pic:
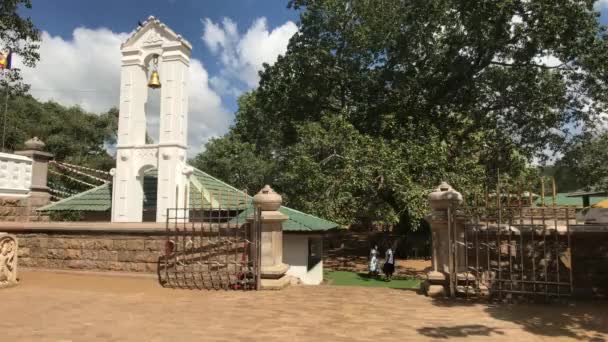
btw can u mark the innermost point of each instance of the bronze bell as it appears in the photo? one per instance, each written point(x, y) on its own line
point(154, 82)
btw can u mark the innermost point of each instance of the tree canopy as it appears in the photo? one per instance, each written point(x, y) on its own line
point(71, 134)
point(587, 160)
point(375, 102)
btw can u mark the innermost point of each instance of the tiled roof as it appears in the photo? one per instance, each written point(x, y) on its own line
point(205, 191)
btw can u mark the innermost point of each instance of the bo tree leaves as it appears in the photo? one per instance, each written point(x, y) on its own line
point(587, 159)
point(417, 91)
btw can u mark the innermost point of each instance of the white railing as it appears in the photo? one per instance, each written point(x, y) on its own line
point(15, 174)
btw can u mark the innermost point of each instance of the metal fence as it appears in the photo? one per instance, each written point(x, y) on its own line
point(212, 247)
point(511, 250)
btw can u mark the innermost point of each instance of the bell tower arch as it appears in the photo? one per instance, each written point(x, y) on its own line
point(152, 45)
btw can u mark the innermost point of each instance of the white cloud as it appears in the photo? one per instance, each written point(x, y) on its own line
point(85, 71)
point(601, 4)
point(242, 56)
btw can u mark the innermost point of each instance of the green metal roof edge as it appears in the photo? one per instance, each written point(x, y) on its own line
point(220, 181)
point(329, 224)
point(323, 223)
point(49, 207)
point(308, 227)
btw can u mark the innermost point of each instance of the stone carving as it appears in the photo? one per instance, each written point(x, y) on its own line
point(35, 144)
point(8, 260)
point(153, 38)
point(267, 199)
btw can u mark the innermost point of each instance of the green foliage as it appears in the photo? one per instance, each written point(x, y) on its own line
point(375, 102)
point(235, 162)
point(71, 134)
point(65, 216)
point(20, 36)
point(587, 159)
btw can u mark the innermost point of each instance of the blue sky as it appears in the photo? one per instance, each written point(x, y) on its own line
point(61, 17)
point(80, 57)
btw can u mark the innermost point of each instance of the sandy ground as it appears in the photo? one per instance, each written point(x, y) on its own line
point(48, 306)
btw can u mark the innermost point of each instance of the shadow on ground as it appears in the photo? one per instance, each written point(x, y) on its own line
point(582, 320)
point(459, 331)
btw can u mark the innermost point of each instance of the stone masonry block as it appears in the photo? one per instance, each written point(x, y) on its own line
point(23, 252)
point(25, 261)
point(73, 243)
point(55, 253)
point(107, 255)
point(90, 254)
point(55, 263)
point(39, 262)
point(116, 266)
point(135, 245)
point(156, 245)
point(75, 264)
point(151, 267)
point(126, 256)
point(56, 243)
point(136, 267)
point(120, 245)
point(100, 244)
point(73, 254)
point(145, 256)
point(37, 252)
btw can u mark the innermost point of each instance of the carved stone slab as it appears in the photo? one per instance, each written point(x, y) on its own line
point(8, 260)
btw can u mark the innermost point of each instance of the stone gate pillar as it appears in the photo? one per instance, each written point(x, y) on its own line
point(273, 269)
point(39, 192)
point(443, 200)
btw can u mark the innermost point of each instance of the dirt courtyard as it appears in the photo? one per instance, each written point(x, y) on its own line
point(65, 307)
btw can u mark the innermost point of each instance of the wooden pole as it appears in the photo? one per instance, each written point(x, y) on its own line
point(542, 191)
point(554, 191)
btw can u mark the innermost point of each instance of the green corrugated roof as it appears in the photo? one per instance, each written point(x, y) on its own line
point(205, 191)
point(563, 199)
point(96, 199)
point(298, 221)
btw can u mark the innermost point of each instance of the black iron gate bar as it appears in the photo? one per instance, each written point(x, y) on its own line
point(512, 272)
point(204, 244)
point(509, 283)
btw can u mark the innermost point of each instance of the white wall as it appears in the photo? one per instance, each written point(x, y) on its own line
point(295, 254)
point(15, 175)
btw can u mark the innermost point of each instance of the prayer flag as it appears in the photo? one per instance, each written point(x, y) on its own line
point(5, 60)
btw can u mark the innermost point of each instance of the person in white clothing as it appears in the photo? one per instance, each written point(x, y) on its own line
point(373, 261)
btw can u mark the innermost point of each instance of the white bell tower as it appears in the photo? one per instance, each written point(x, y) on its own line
point(151, 42)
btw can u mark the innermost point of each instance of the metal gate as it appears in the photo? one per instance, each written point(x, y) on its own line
point(215, 246)
point(510, 250)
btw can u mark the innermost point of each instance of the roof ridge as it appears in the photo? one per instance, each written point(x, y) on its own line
point(310, 215)
point(218, 180)
point(78, 195)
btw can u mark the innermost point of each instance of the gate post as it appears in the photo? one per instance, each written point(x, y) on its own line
point(273, 269)
point(444, 202)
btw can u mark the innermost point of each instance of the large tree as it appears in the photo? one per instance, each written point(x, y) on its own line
point(587, 161)
point(422, 91)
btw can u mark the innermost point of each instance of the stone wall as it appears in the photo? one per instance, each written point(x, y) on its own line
point(18, 209)
point(86, 252)
point(128, 250)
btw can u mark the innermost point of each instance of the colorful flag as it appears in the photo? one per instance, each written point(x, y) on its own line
point(5, 60)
